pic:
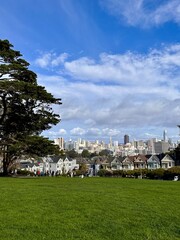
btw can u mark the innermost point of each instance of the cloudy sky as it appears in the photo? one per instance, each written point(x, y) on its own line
point(114, 63)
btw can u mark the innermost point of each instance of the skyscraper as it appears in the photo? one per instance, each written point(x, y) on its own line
point(165, 138)
point(59, 142)
point(126, 139)
point(161, 147)
point(110, 141)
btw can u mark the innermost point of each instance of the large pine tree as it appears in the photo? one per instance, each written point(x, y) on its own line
point(25, 108)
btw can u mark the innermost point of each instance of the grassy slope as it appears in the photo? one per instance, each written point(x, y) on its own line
point(89, 208)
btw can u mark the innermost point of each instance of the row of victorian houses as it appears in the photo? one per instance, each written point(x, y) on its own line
point(55, 165)
point(150, 162)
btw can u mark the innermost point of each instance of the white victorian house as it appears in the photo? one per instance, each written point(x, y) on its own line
point(31, 166)
point(116, 163)
point(153, 162)
point(140, 162)
point(167, 162)
point(56, 165)
point(69, 165)
point(128, 163)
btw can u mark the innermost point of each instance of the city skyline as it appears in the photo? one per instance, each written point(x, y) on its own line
point(125, 139)
point(115, 64)
point(116, 148)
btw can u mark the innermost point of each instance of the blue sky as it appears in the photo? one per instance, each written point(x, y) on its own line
point(114, 63)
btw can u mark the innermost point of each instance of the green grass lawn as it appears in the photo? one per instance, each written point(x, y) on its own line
point(89, 208)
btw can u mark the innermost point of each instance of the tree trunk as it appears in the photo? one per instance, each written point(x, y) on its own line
point(5, 168)
point(5, 161)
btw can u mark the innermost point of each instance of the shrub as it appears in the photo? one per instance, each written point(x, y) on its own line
point(24, 172)
point(156, 174)
point(171, 173)
point(79, 172)
point(104, 173)
point(137, 173)
point(117, 173)
point(129, 173)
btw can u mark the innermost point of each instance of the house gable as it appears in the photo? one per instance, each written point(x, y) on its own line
point(153, 159)
point(167, 158)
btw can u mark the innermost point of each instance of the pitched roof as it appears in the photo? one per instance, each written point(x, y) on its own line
point(129, 159)
point(68, 159)
point(167, 158)
point(140, 158)
point(55, 159)
point(118, 160)
point(153, 158)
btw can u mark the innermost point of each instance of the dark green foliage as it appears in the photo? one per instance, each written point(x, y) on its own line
point(104, 173)
point(72, 153)
point(39, 146)
point(82, 170)
point(144, 173)
point(25, 107)
point(105, 152)
point(156, 174)
point(94, 154)
point(176, 155)
point(85, 153)
point(24, 173)
point(171, 173)
point(118, 173)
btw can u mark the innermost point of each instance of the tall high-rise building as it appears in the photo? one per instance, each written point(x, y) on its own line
point(110, 141)
point(165, 138)
point(161, 147)
point(69, 145)
point(59, 142)
point(126, 139)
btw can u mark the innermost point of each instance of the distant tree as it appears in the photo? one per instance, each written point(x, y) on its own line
point(82, 170)
point(62, 153)
point(25, 108)
point(105, 152)
point(171, 173)
point(85, 153)
point(94, 154)
point(72, 154)
point(176, 155)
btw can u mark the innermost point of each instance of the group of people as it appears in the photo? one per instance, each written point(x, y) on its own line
point(50, 174)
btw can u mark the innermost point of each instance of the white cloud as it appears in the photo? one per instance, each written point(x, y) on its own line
point(128, 68)
point(139, 91)
point(93, 132)
point(110, 132)
point(62, 131)
point(144, 13)
point(51, 59)
point(59, 59)
point(158, 67)
point(44, 60)
point(150, 135)
point(78, 131)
